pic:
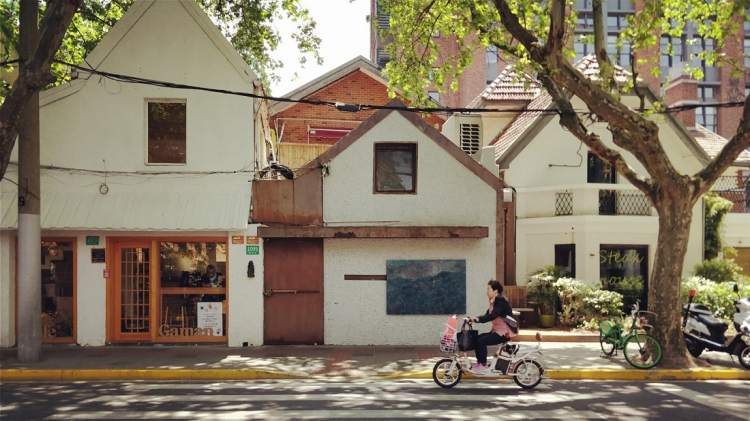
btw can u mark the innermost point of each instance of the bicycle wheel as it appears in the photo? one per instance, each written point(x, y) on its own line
point(444, 376)
point(642, 351)
point(527, 374)
point(607, 344)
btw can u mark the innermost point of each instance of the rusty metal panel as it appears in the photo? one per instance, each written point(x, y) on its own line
point(289, 202)
point(308, 198)
point(293, 290)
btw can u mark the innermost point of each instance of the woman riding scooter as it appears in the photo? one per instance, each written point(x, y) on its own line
point(499, 309)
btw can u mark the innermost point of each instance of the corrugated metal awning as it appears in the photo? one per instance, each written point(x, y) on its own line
point(137, 211)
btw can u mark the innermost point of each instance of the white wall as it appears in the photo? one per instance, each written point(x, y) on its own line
point(355, 311)
point(447, 192)
point(245, 294)
point(735, 230)
point(7, 289)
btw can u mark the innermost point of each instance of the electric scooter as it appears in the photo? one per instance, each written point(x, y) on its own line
point(701, 330)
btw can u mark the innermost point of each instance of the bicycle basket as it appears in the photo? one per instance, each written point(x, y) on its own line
point(645, 320)
point(607, 327)
point(448, 341)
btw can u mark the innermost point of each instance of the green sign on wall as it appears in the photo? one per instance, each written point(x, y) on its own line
point(252, 250)
point(92, 240)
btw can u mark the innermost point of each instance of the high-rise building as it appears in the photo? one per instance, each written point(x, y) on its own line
point(717, 85)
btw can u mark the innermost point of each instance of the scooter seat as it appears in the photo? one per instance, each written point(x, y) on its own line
point(712, 322)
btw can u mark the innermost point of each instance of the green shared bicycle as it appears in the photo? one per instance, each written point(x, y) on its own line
point(640, 348)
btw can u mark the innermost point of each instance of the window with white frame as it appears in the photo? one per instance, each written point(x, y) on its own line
point(469, 137)
point(491, 67)
point(746, 43)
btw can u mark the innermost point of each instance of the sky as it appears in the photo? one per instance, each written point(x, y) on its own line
point(345, 34)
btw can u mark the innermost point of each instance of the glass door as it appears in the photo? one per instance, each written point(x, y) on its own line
point(58, 290)
point(133, 291)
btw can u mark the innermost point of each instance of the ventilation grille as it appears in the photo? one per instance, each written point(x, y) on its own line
point(469, 135)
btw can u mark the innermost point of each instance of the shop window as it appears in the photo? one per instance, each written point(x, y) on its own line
point(624, 268)
point(58, 261)
point(192, 289)
point(565, 259)
point(166, 132)
point(395, 168)
point(600, 171)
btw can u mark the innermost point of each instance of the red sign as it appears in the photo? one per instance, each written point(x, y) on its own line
point(252, 240)
point(106, 274)
point(237, 239)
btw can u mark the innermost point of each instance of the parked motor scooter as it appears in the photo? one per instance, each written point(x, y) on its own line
point(702, 330)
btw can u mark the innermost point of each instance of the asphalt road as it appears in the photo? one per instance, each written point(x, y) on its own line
point(278, 400)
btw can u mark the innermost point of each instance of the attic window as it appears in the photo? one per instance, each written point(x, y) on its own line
point(166, 131)
point(395, 168)
point(469, 136)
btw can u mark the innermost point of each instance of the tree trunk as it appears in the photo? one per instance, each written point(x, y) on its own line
point(675, 213)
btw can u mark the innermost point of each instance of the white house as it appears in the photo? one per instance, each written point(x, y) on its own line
point(146, 192)
point(572, 210)
point(379, 239)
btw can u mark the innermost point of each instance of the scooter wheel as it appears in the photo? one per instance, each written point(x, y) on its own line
point(444, 376)
point(694, 349)
point(527, 374)
point(744, 356)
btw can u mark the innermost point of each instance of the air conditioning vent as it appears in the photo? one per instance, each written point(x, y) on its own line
point(469, 136)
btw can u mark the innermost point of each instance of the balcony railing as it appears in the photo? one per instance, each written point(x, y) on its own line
point(735, 189)
point(614, 202)
point(582, 199)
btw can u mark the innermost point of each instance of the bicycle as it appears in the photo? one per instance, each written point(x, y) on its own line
point(640, 348)
point(524, 367)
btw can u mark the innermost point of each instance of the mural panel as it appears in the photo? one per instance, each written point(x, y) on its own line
point(426, 286)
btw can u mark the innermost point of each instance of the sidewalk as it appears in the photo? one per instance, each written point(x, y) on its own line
point(562, 360)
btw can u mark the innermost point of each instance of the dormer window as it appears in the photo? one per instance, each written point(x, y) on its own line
point(395, 168)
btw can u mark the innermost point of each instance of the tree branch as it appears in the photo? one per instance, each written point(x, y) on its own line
point(556, 36)
point(705, 178)
point(570, 119)
point(53, 27)
point(606, 71)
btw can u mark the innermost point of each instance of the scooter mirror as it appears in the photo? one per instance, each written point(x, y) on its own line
point(692, 293)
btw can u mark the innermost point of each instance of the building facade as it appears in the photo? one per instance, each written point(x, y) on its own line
point(145, 192)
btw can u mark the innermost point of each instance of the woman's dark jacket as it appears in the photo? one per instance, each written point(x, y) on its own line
point(501, 308)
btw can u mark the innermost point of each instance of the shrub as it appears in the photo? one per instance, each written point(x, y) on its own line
point(541, 290)
point(630, 287)
point(581, 302)
point(717, 296)
point(719, 270)
point(716, 208)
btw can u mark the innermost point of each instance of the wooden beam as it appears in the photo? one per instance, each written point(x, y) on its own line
point(372, 232)
point(365, 277)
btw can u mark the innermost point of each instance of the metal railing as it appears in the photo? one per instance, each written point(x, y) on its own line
point(563, 203)
point(619, 202)
point(735, 188)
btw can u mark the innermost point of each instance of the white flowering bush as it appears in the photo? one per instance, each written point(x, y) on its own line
point(717, 296)
point(582, 302)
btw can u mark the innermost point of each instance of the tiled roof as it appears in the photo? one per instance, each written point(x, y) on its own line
point(713, 143)
point(509, 86)
point(590, 68)
point(523, 122)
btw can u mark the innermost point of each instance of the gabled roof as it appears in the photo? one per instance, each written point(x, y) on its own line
point(309, 88)
point(519, 132)
point(508, 86)
point(430, 132)
point(123, 26)
point(713, 143)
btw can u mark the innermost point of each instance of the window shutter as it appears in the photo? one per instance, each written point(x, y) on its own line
point(469, 136)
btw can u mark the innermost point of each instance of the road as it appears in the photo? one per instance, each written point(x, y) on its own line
point(311, 399)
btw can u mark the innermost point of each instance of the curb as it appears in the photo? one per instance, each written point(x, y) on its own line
point(248, 374)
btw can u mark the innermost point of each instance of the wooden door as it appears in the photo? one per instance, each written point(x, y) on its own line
point(133, 298)
point(293, 290)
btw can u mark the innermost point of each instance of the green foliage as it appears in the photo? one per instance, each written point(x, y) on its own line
point(476, 24)
point(719, 270)
point(718, 297)
point(582, 303)
point(716, 208)
point(541, 290)
point(248, 24)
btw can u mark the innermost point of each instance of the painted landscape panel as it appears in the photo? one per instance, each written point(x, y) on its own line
point(426, 286)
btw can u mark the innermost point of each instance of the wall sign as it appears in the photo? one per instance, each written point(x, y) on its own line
point(238, 239)
point(92, 240)
point(252, 240)
point(252, 250)
point(98, 255)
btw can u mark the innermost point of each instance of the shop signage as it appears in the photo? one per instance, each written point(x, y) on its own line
point(98, 255)
point(252, 250)
point(92, 240)
point(237, 239)
point(165, 330)
point(252, 240)
point(210, 317)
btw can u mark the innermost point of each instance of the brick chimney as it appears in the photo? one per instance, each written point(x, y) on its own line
point(682, 90)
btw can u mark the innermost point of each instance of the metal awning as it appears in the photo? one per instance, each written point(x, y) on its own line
point(137, 211)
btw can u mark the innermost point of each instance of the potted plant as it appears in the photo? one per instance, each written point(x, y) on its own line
point(541, 290)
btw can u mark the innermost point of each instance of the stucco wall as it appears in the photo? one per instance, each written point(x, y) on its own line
point(355, 311)
point(245, 294)
point(447, 192)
